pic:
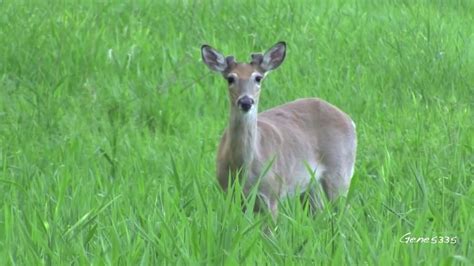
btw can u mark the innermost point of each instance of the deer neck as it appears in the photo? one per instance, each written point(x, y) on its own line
point(243, 137)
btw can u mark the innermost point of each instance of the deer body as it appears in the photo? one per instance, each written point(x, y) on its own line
point(302, 139)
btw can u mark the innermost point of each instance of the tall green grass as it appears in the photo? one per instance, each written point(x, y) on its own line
point(109, 123)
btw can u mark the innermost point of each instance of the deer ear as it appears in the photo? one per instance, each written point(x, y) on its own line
point(213, 59)
point(274, 57)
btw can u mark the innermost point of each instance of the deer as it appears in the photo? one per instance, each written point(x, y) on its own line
point(309, 142)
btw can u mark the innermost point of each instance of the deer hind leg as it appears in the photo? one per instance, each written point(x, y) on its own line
point(316, 198)
point(273, 207)
point(314, 195)
point(270, 203)
point(335, 183)
point(337, 174)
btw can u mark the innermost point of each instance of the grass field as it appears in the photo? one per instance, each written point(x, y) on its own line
point(109, 125)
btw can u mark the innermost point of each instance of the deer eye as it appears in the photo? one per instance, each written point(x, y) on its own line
point(230, 80)
point(258, 79)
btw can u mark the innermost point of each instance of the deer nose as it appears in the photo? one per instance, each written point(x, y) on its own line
point(245, 103)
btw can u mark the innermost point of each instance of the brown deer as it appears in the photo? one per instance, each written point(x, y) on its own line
point(304, 140)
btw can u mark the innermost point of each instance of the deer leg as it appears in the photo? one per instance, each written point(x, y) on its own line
point(315, 198)
point(334, 185)
point(273, 207)
point(270, 203)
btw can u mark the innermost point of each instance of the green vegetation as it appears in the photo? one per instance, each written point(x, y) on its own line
point(109, 124)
